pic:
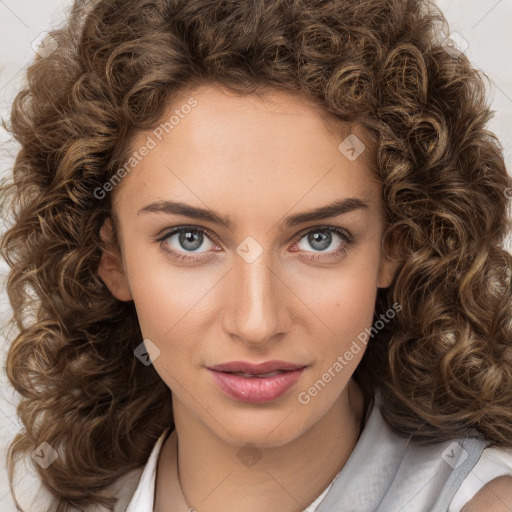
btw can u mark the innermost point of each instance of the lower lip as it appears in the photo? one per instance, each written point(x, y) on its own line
point(256, 389)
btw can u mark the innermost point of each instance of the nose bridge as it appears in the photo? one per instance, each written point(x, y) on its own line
point(256, 306)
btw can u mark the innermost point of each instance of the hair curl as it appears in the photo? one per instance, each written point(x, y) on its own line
point(444, 364)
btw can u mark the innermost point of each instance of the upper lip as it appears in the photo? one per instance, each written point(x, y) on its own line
point(255, 369)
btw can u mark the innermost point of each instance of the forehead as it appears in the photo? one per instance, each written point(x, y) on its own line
point(258, 116)
point(258, 149)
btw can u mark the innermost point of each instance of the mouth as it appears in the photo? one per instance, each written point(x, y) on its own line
point(260, 375)
point(256, 388)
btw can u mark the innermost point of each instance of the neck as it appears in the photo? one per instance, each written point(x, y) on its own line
point(213, 473)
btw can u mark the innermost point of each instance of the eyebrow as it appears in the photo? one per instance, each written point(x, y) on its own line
point(334, 209)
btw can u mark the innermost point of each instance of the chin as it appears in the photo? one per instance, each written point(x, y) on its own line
point(267, 432)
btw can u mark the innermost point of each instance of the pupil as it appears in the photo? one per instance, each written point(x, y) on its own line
point(189, 237)
point(323, 240)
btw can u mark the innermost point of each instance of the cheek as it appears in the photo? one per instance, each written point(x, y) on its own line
point(345, 304)
point(353, 311)
point(168, 310)
point(346, 313)
point(344, 298)
point(167, 298)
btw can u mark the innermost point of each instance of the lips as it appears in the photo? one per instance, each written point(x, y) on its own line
point(256, 388)
point(247, 369)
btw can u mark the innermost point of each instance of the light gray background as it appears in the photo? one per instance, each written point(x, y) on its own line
point(485, 25)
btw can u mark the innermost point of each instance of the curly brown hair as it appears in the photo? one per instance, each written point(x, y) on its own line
point(444, 365)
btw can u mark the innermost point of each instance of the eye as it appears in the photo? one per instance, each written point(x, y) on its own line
point(186, 239)
point(321, 238)
point(184, 243)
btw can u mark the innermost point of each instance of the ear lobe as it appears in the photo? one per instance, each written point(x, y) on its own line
point(387, 272)
point(111, 268)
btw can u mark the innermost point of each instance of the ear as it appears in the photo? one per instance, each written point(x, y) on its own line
point(389, 263)
point(111, 267)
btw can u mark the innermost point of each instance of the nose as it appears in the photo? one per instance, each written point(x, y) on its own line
point(257, 315)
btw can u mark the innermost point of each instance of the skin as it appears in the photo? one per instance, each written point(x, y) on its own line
point(256, 159)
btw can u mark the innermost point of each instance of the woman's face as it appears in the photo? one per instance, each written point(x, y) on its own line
point(271, 281)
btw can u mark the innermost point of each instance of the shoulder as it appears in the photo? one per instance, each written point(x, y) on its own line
point(489, 484)
point(495, 495)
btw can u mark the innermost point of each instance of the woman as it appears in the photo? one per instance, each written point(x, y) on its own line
point(264, 240)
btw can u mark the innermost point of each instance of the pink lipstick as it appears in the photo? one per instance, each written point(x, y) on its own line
point(249, 382)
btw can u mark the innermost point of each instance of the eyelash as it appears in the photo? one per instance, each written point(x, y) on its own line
point(339, 253)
